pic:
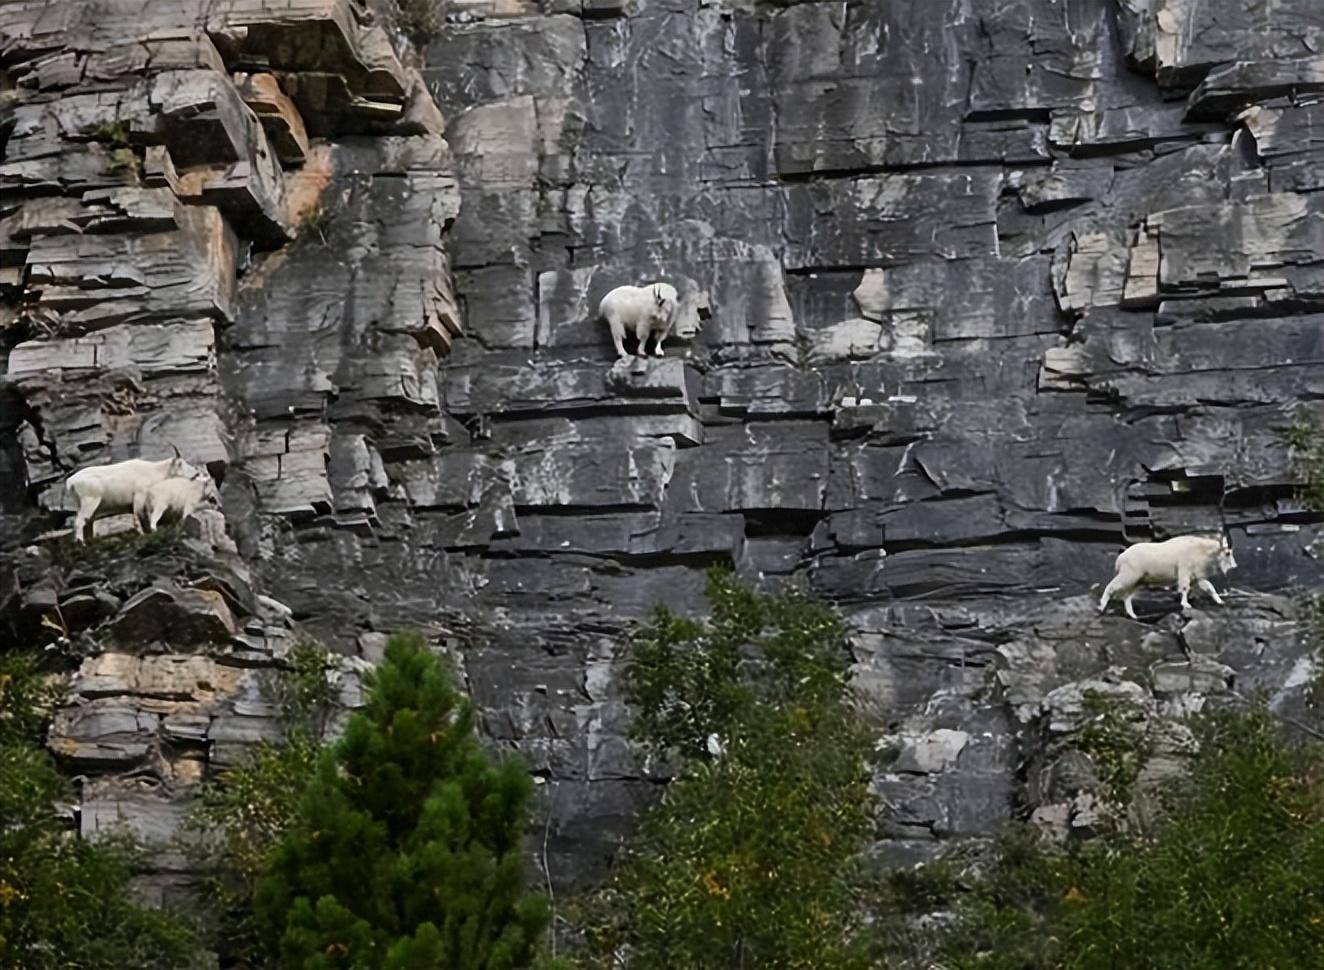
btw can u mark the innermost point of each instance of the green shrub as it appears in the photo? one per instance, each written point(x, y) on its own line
point(1232, 878)
point(420, 20)
point(65, 902)
point(242, 815)
point(1115, 739)
point(1228, 878)
point(114, 132)
point(747, 860)
point(302, 690)
point(406, 849)
point(1305, 439)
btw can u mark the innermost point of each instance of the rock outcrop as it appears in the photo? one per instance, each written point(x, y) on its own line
point(985, 282)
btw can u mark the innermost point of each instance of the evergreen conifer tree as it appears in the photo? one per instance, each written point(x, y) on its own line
point(407, 849)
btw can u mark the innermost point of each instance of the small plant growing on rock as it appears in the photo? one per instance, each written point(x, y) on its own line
point(301, 687)
point(114, 132)
point(317, 225)
point(1114, 737)
point(420, 20)
point(1304, 437)
point(122, 162)
point(806, 356)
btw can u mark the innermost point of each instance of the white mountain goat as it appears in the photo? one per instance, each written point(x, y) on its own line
point(1180, 560)
point(181, 495)
point(119, 487)
point(642, 309)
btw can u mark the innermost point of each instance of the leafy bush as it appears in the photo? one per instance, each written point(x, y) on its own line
point(1229, 878)
point(420, 20)
point(1114, 738)
point(64, 902)
point(302, 690)
point(406, 848)
point(243, 814)
point(1307, 443)
point(747, 860)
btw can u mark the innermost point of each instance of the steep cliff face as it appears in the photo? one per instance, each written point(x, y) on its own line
point(982, 275)
point(984, 279)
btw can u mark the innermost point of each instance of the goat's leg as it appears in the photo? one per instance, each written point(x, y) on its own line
point(1208, 587)
point(139, 509)
point(1113, 586)
point(87, 507)
point(1126, 601)
point(663, 332)
point(618, 337)
point(642, 328)
point(1184, 587)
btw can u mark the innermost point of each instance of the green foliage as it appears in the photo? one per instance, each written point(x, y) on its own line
point(1315, 631)
point(102, 554)
point(747, 860)
point(241, 817)
point(122, 160)
point(28, 698)
point(64, 902)
point(406, 850)
point(1229, 878)
point(1115, 739)
point(1305, 439)
point(243, 814)
point(302, 689)
point(420, 20)
point(317, 225)
point(114, 132)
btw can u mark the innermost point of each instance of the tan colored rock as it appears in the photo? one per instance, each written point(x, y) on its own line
point(278, 115)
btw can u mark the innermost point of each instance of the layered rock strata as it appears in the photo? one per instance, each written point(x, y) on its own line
point(986, 281)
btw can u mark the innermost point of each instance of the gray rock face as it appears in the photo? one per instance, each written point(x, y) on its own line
point(983, 281)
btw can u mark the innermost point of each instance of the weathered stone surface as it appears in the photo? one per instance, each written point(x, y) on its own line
point(983, 282)
point(149, 151)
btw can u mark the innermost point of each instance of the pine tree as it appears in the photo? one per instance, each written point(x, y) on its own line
point(407, 849)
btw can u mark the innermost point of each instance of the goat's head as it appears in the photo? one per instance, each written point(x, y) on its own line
point(664, 298)
point(209, 491)
point(1226, 560)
